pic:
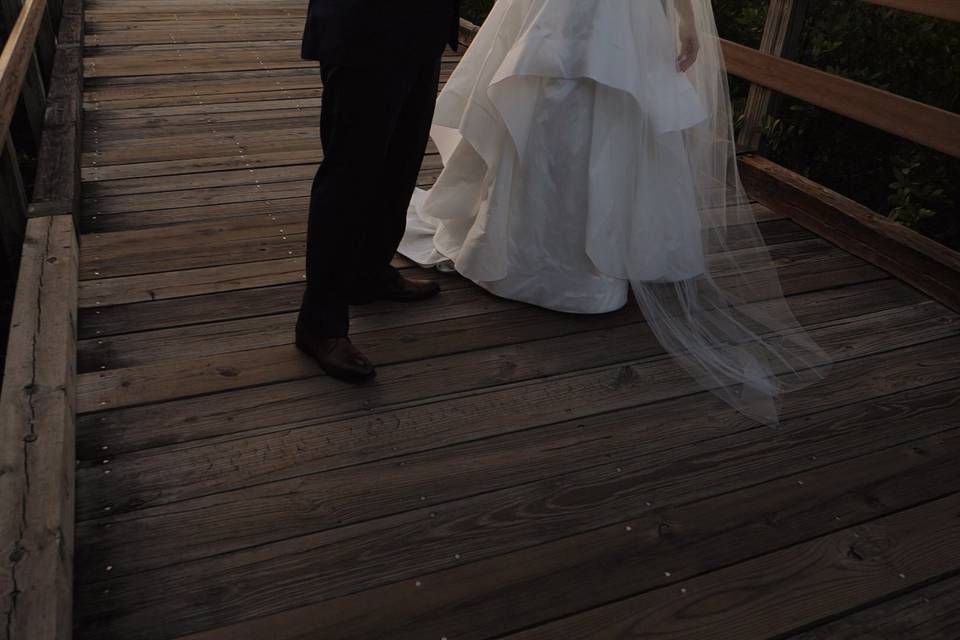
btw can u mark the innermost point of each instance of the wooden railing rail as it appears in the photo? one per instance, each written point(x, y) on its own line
point(929, 266)
point(37, 402)
point(946, 9)
point(26, 65)
point(781, 36)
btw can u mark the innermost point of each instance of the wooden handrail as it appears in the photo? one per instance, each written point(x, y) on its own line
point(946, 9)
point(37, 445)
point(916, 121)
point(15, 60)
point(37, 401)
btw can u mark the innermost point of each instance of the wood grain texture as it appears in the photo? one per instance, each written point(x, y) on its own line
point(57, 182)
point(411, 546)
point(844, 570)
point(916, 121)
point(946, 9)
point(929, 613)
point(511, 468)
point(356, 486)
point(37, 412)
point(16, 58)
point(651, 546)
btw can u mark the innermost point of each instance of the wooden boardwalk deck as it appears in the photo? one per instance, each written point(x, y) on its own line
point(513, 472)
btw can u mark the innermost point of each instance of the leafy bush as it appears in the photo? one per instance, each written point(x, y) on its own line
point(476, 10)
point(907, 54)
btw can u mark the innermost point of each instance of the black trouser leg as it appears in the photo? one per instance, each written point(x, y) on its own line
point(374, 126)
point(402, 168)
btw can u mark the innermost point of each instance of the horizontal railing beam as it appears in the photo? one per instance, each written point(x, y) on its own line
point(903, 117)
point(16, 58)
point(946, 9)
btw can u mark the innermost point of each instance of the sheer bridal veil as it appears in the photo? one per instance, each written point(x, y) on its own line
point(730, 326)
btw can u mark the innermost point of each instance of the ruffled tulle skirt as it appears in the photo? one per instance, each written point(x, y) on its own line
point(565, 173)
point(579, 164)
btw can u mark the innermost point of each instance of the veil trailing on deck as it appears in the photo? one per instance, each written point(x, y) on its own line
point(730, 326)
point(651, 160)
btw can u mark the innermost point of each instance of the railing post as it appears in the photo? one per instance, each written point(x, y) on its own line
point(46, 47)
point(57, 187)
point(781, 38)
point(13, 206)
point(55, 7)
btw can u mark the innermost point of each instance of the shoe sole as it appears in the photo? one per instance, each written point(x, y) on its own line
point(352, 378)
point(359, 302)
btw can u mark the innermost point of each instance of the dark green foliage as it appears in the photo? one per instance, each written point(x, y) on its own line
point(911, 55)
point(907, 54)
point(475, 10)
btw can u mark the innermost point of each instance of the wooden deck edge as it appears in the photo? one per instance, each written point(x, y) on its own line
point(917, 260)
point(37, 438)
point(38, 399)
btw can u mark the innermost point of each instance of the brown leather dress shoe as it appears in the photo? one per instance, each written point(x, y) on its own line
point(337, 357)
point(407, 290)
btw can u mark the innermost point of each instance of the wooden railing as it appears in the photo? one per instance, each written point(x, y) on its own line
point(924, 263)
point(25, 67)
point(37, 403)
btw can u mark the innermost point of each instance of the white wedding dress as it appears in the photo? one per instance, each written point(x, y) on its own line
point(579, 161)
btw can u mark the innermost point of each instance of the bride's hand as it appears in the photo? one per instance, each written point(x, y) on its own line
point(689, 46)
point(689, 41)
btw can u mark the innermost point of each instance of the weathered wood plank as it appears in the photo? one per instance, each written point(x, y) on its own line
point(37, 409)
point(461, 306)
point(665, 543)
point(197, 197)
point(135, 220)
point(404, 547)
point(946, 9)
point(227, 242)
point(164, 381)
point(839, 572)
point(203, 314)
point(527, 424)
point(58, 163)
point(275, 326)
point(929, 613)
point(921, 123)
point(345, 493)
point(144, 479)
point(16, 59)
point(261, 408)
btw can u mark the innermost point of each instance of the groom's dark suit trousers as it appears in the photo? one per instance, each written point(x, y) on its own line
point(374, 128)
point(380, 66)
